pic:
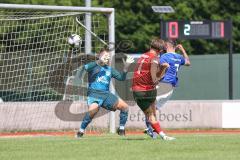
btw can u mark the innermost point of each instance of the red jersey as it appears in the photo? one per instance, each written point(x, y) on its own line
point(142, 79)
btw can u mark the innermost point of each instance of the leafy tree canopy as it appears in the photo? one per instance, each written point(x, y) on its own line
point(135, 20)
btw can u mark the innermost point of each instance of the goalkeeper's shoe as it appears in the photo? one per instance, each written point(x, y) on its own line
point(79, 134)
point(121, 132)
point(167, 138)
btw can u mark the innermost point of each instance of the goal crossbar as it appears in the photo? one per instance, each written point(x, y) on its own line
point(56, 8)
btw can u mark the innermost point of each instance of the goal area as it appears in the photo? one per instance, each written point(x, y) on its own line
point(37, 64)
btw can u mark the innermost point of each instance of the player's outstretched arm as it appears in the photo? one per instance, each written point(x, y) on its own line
point(121, 76)
point(127, 63)
point(184, 53)
point(89, 66)
point(162, 70)
point(79, 73)
point(157, 71)
point(77, 78)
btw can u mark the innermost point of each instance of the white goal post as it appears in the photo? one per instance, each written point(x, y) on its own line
point(32, 45)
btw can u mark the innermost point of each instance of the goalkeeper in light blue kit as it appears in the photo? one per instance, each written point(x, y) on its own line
point(98, 95)
point(170, 78)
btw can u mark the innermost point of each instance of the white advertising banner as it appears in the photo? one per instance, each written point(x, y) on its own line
point(181, 114)
point(231, 115)
point(68, 115)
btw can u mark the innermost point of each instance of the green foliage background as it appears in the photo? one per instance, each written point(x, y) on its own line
point(136, 21)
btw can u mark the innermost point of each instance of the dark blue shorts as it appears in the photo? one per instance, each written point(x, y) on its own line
point(104, 99)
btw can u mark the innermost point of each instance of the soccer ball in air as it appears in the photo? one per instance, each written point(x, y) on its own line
point(75, 41)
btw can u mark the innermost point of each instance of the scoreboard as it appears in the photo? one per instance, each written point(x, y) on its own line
point(206, 29)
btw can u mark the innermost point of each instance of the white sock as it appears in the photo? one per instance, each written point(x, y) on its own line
point(81, 130)
point(162, 134)
point(121, 127)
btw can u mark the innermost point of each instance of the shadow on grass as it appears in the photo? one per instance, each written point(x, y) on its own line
point(135, 139)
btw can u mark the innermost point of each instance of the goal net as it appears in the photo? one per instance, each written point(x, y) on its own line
point(37, 66)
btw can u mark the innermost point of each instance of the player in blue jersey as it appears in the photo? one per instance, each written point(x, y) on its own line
point(170, 78)
point(99, 77)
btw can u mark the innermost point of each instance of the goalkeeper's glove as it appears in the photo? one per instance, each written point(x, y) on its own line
point(128, 62)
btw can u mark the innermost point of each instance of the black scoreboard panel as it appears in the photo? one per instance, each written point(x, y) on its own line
point(206, 29)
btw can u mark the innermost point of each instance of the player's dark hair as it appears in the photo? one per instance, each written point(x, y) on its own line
point(157, 44)
point(173, 42)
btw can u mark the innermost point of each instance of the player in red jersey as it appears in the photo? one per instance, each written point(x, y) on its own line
point(146, 76)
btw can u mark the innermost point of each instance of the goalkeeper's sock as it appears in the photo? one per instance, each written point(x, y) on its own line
point(156, 127)
point(86, 120)
point(123, 119)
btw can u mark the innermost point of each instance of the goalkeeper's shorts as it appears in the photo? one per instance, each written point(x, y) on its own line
point(104, 99)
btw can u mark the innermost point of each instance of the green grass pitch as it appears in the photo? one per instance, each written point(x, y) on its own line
point(132, 147)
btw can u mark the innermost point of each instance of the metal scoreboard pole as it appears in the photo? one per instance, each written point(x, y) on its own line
point(230, 66)
point(161, 25)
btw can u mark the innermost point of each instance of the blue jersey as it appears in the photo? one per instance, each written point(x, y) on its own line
point(175, 61)
point(99, 77)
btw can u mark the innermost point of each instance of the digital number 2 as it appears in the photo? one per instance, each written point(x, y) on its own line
point(187, 28)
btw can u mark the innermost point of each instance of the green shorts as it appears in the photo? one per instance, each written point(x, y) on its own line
point(144, 98)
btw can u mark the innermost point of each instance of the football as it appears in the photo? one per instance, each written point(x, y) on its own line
point(75, 41)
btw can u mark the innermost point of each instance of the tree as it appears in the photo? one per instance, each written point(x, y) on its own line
point(135, 20)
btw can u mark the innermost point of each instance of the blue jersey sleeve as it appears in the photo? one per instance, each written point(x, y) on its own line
point(89, 66)
point(121, 76)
